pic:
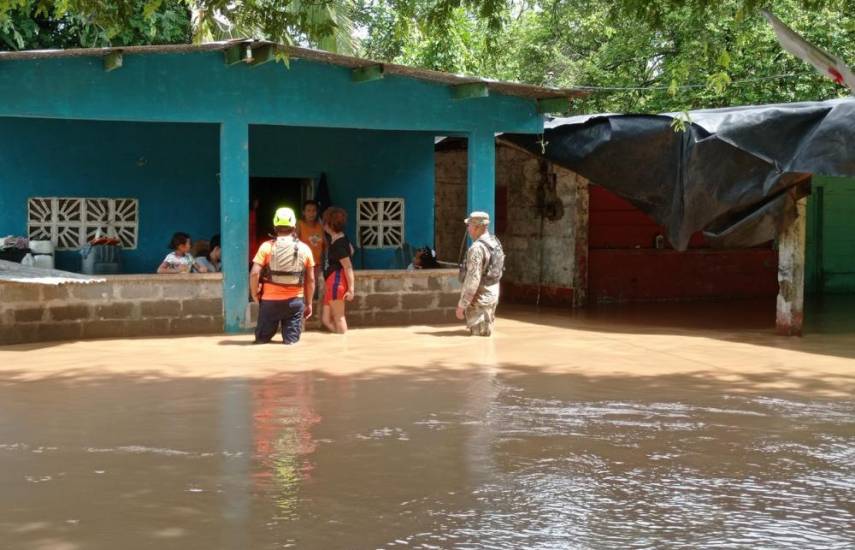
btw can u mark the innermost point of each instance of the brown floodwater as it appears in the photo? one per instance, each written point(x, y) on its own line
point(561, 432)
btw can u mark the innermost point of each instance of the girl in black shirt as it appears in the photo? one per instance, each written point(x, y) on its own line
point(339, 272)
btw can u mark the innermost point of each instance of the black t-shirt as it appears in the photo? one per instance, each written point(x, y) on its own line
point(337, 251)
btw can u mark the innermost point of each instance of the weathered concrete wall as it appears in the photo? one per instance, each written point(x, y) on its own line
point(123, 306)
point(395, 298)
point(541, 232)
point(450, 203)
point(418, 297)
point(543, 263)
point(160, 305)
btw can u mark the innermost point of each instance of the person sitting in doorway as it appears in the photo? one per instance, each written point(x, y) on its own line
point(179, 260)
point(425, 258)
point(284, 266)
point(211, 262)
point(311, 231)
point(339, 273)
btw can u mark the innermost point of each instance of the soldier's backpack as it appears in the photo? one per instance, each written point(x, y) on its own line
point(495, 267)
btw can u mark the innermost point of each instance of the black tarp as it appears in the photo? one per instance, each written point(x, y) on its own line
point(729, 174)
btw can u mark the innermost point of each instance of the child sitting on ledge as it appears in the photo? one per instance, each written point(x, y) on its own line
point(179, 260)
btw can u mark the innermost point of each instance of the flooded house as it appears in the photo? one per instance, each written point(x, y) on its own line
point(141, 142)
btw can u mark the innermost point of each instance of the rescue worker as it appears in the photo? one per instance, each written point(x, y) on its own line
point(480, 275)
point(284, 266)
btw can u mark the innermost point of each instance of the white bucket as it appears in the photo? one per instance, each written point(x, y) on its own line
point(43, 261)
point(41, 247)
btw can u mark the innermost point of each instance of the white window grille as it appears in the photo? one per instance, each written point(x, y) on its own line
point(71, 222)
point(380, 223)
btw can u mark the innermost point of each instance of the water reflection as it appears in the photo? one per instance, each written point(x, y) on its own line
point(282, 420)
point(235, 461)
point(488, 457)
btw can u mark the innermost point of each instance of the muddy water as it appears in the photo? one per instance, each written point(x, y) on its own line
point(559, 433)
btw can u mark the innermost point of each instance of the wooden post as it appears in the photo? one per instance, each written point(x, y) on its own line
point(481, 189)
point(239, 53)
point(234, 221)
point(263, 54)
point(791, 274)
point(367, 74)
point(470, 90)
point(113, 61)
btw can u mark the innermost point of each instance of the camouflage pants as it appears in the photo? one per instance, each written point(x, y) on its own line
point(480, 319)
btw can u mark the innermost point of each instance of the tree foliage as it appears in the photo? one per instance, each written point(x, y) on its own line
point(25, 24)
point(646, 56)
point(40, 24)
point(635, 55)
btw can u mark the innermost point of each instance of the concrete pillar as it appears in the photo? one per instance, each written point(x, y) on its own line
point(481, 191)
point(791, 274)
point(580, 271)
point(234, 221)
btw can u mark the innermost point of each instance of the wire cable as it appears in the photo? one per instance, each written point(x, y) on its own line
point(684, 86)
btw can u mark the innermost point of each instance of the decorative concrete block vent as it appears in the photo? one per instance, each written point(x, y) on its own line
point(123, 306)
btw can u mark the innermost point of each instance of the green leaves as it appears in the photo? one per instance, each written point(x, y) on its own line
point(637, 55)
point(719, 82)
point(30, 24)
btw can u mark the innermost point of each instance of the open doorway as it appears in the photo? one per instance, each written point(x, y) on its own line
point(273, 193)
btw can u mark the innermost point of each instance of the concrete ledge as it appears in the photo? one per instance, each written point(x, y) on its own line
point(194, 277)
point(161, 305)
point(395, 298)
point(404, 274)
point(123, 306)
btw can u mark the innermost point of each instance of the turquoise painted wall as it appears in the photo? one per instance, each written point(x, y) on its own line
point(198, 87)
point(358, 164)
point(171, 168)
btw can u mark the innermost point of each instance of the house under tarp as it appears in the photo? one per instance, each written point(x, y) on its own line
point(740, 176)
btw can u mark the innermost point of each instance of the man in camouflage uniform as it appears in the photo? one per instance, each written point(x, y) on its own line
point(478, 300)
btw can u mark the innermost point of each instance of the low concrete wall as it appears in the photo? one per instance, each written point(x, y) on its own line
point(385, 298)
point(123, 306)
point(156, 305)
point(396, 298)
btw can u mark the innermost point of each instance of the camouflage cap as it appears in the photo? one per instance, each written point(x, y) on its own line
point(478, 218)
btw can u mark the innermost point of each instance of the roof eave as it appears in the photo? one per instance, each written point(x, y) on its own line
point(516, 89)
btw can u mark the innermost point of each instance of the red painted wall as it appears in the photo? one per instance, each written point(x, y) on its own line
point(615, 223)
point(624, 265)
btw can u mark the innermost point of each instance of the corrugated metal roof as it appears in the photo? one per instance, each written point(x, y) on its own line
point(16, 273)
point(505, 88)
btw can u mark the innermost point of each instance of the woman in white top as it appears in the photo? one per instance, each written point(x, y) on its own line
point(179, 260)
